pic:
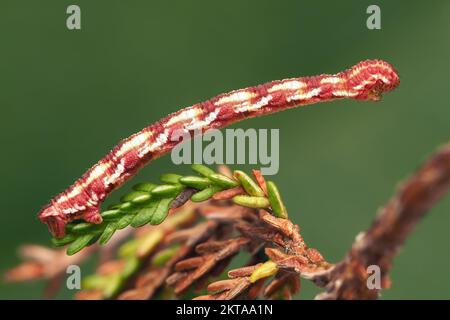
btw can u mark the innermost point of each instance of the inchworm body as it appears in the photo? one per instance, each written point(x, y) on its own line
point(366, 80)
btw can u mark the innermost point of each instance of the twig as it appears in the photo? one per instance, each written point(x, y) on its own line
point(44, 263)
point(152, 278)
point(211, 254)
point(395, 221)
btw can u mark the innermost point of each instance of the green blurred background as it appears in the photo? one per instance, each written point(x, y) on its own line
point(68, 96)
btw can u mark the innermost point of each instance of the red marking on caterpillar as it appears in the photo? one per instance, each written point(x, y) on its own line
point(365, 81)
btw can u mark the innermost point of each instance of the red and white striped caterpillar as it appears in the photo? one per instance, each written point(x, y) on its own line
point(366, 80)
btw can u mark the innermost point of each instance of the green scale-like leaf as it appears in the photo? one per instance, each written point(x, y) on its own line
point(154, 213)
point(107, 233)
point(80, 243)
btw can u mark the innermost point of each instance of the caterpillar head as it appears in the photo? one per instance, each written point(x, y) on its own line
point(371, 78)
point(57, 215)
point(55, 220)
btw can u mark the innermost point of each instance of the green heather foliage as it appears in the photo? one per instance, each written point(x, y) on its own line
point(149, 203)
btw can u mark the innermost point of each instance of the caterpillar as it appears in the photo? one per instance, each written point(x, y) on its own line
point(367, 80)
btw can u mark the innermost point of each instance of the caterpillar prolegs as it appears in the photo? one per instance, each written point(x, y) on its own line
point(367, 80)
